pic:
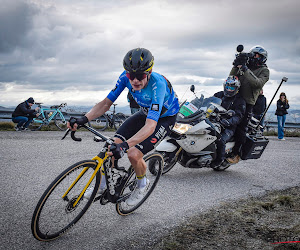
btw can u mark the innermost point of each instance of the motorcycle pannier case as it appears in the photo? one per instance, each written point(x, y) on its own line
point(254, 147)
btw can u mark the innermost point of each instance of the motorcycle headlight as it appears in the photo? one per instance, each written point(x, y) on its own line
point(181, 128)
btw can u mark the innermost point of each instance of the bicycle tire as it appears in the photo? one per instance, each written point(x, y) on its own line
point(119, 119)
point(167, 166)
point(121, 207)
point(100, 123)
point(34, 126)
point(60, 122)
point(52, 210)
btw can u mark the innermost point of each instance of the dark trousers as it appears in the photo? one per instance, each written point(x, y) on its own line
point(241, 130)
point(22, 121)
point(221, 143)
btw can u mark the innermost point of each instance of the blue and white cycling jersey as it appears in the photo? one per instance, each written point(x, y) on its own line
point(156, 99)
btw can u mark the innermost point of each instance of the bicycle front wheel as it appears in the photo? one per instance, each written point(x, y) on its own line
point(122, 207)
point(55, 212)
point(36, 124)
point(60, 122)
point(119, 119)
point(100, 123)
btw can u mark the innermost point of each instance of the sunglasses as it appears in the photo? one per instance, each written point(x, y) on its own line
point(230, 88)
point(139, 76)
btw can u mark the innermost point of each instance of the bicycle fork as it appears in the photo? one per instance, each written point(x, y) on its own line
point(100, 163)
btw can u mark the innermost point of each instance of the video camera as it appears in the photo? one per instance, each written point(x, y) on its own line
point(242, 57)
point(240, 49)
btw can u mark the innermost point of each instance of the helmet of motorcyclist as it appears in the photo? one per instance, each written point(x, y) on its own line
point(138, 60)
point(231, 86)
point(263, 55)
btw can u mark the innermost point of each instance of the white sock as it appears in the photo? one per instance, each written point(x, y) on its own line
point(103, 182)
point(142, 182)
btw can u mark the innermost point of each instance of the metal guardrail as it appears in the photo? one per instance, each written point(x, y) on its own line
point(288, 125)
point(6, 115)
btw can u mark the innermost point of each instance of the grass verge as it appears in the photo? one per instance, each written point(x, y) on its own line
point(10, 126)
point(255, 223)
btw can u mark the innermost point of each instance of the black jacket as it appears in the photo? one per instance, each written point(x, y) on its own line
point(260, 106)
point(236, 103)
point(23, 109)
point(282, 108)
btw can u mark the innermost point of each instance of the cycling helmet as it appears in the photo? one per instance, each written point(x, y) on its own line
point(231, 86)
point(138, 60)
point(262, 52)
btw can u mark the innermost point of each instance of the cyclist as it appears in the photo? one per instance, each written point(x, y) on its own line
point(141, 132)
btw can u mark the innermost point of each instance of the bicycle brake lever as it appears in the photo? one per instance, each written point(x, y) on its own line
point(67, 132)
point(74, 137)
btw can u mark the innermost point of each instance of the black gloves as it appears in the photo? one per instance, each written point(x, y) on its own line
point(119, 150)
point(241, 59)
point(225, 123)
point(244, 68)
point(79, 120)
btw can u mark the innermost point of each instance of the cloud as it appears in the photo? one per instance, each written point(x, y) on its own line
point(56, 46)
point(15, 23)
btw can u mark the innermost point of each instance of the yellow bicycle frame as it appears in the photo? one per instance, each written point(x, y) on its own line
point(100, 162)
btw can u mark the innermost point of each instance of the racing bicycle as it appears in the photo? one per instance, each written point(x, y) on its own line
point(63, 203)
point(112, 120)
point(47, 115)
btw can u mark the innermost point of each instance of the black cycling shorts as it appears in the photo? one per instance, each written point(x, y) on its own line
point(135, 122)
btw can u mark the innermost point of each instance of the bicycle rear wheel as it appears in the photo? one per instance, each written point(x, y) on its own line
point(124, 209)
point(119, 119)
point(60, 122)
point(54, 215)
point(100, 123)
point(36, 124)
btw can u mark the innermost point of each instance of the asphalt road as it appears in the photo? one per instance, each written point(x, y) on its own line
point(31, 160)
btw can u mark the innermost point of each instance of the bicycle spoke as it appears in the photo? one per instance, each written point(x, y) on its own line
point(99, 123)
point(60, 122)
point(54, 215)
point(122, 207)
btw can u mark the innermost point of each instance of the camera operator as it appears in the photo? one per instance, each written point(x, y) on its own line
point(253, 73)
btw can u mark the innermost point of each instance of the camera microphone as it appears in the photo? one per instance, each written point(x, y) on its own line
point(240, 48)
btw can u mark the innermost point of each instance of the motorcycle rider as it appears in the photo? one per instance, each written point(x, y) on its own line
point(253, 73)
point(231, 100)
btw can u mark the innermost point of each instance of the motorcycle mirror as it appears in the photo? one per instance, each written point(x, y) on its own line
point(192, 88)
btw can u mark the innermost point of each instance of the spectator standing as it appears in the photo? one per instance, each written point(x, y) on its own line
point(281, 112)
point(134, 107)
point(259, 108)
point(23, 114)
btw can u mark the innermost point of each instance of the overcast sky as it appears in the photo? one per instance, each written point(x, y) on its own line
point(72, 51)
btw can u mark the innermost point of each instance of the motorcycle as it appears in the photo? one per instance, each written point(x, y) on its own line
point(192, 142)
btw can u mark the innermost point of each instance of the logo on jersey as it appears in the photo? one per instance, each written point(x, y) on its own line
point(155, 107)
point(114, 88)
point(153, 140)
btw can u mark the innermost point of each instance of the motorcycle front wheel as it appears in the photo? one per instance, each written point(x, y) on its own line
point(168, 163)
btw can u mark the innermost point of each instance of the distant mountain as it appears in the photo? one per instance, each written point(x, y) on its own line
point(292, 116)
point(7, 108)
